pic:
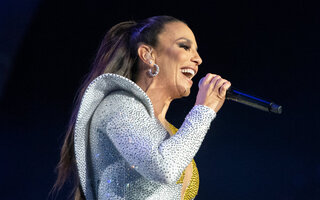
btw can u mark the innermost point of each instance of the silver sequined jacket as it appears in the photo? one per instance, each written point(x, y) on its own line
point(123, 152)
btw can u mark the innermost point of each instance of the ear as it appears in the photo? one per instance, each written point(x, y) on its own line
point(145, 54)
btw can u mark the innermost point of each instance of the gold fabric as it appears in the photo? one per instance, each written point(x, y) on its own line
point(193, 187)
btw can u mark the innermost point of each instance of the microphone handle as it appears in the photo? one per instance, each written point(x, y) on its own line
point(240, 97)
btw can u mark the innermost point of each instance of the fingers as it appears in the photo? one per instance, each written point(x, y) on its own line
point(216, 83)
point(208, 78)
point(224, 87)
point(212, 91)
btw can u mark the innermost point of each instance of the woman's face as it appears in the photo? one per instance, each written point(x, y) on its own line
point(178, 59)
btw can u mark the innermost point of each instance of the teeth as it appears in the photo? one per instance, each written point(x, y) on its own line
point(190, 71)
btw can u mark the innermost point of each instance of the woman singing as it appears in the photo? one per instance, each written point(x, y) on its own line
point(119, 144)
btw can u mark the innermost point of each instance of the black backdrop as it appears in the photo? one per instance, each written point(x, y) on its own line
point(267, 48)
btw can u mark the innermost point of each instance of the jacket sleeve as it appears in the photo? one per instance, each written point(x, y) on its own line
point(143, 141)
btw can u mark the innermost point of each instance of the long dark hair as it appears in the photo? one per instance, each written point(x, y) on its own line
point(117, 54)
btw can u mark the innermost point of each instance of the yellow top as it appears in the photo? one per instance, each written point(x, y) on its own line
point(193, 187)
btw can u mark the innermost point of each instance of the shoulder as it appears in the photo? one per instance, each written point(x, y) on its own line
point(121, 105)
point(122, 99)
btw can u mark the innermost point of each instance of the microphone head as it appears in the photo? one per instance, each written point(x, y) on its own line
point(200, 82)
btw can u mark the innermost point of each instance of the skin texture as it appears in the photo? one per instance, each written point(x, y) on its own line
point(177, 50)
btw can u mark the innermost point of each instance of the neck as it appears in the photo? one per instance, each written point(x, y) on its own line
point(160, 104)
point(159, 97)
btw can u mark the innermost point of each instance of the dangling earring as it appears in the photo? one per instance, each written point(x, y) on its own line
point(156, 71)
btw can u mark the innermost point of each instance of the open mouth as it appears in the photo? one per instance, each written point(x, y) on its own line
point(189, 73)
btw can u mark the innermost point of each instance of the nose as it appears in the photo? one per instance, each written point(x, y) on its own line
point(196, 58)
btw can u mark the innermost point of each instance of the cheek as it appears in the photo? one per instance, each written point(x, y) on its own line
point(178, 55)
point(175, 62)
point(169, 62)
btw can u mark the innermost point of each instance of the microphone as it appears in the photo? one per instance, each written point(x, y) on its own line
point(249, 100)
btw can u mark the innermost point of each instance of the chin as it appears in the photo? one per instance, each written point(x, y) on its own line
point(182, 91)
point(186, 92)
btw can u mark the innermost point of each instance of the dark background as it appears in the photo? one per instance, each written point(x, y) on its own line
point(267, 48)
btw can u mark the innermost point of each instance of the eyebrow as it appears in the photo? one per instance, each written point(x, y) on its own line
point(189, 41)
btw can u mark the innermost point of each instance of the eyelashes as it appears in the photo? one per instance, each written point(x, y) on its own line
point(185, 46)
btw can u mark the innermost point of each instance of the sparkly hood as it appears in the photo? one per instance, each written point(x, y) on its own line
point(97, 90)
